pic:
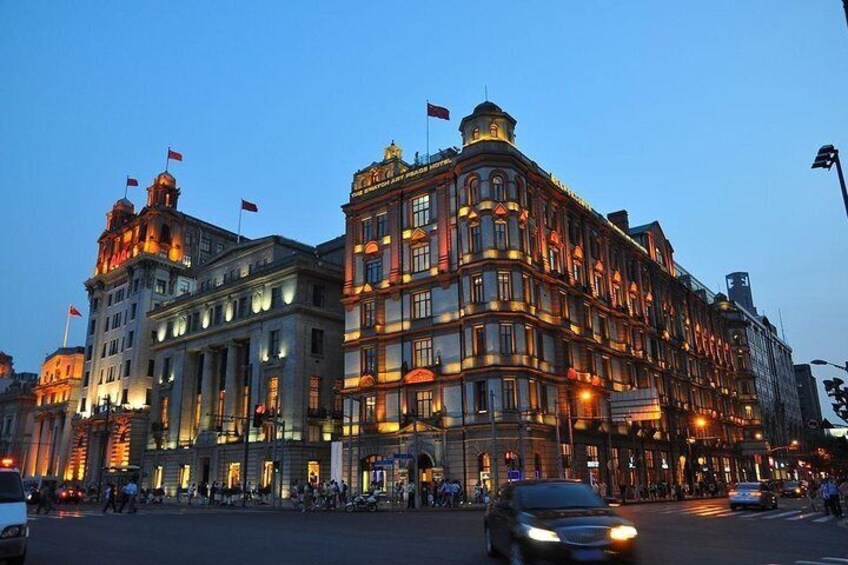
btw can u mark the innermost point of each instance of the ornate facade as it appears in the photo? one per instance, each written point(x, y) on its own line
point(143, 259)
point(486, 302)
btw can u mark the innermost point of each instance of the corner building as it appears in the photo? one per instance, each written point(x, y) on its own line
point(485, 302)
point(143, 259)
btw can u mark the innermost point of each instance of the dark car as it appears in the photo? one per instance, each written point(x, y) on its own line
point(793, 489)
point(556, 520)
point(69, 495)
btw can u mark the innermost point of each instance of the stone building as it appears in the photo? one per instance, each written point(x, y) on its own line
point(485, 302)
point(263, 328)
point(143, 259)
point(57, 398)
point(17, 402)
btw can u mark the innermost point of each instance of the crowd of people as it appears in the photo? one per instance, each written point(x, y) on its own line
point(831, 493)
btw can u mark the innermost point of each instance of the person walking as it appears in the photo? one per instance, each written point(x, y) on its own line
point(130, 492)
point(111, 496)
point(192, 492)
point(45, 499)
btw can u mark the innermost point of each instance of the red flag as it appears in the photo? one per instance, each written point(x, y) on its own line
point(132, 182)
point(174, 156)
point(438, 112)
point(73, 311)
point(249, 206)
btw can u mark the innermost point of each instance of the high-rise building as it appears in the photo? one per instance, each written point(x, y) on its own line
point(56, 400)
point(808, 397)
point(486, 303)
point(263, 329)
point(143, 260)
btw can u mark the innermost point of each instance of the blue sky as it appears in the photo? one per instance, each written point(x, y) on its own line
point(705, 116)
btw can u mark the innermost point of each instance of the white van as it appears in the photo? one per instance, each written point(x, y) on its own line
point(14, 531)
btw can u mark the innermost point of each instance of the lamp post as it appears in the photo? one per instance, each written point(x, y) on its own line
point(827, 156)
point(587, 395)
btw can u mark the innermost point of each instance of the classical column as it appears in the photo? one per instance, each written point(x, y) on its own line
point(207, 394)
point(231, 387)
point(176, 399)
point(65, 442)
point(36, 448)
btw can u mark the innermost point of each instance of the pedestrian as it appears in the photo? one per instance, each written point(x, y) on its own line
point(45, 499)
point(130, 491)
point(410, 495)
point(812, 493)
point(111, 496)
point(213, 492)
point(192, 492)
point(622, 489)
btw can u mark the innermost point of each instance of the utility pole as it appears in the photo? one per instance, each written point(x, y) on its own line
point(248, 375)
point(494, 440)
point(521, 442)
point(558, 441)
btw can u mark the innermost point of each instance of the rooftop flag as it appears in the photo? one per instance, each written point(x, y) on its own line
point(440, 112)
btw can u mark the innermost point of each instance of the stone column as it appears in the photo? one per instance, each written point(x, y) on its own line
point(65, 442)
point(176, 398)
point(207, 393)
point(188, 397)
point(36, 448)
point(231, 387)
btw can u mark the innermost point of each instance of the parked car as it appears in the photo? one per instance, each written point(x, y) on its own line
point(752, 495)
point(793, 489)
point(69, 495)
point(14, 531)
point(556, 520)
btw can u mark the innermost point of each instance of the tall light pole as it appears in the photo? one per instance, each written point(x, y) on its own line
point(827, 156)
point(835, 389)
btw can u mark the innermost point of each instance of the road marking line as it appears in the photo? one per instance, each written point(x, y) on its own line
point(804, 516)
point(822, 520)
point(810, 563)
point(759, 515)
point(724, 514)
point(781, 515)
point(836, 559)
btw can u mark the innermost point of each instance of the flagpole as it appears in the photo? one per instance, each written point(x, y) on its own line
point(238, 233)
point(126, 186)
point(167, 158)
point(67, 325)
point(427, 113)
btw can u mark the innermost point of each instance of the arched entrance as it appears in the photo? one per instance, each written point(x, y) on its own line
point(373, 477)
point(425, 468)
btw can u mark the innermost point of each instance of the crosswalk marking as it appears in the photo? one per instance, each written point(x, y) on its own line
point(804, 516)
point(781, 515)
point(835, 559)
point(759, 515)
point(824, 519)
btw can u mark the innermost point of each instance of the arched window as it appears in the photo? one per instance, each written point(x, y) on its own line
point(484, 463)
point(537, 465)
point(473, 191)
point(498, 191)
point(493, 130)
point(475, 134)
point(511, 461)
point(375, 177)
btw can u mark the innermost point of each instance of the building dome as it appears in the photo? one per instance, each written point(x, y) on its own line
point(165, 179)
point(488, 122)
point(124, 204)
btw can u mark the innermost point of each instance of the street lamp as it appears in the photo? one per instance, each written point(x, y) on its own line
point(825, 159)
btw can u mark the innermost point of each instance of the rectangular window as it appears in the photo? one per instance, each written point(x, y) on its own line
point(125, 396)
point(479, 340)
point(506, 339)
point(318, 292)
point(166, 371)
point(369, 314)
point(381, 225)
point(276, 296)
point(369, 415)
point(205, 244)
point(367, 230)
point(273, 343)
point(421, 211)
point(509, 394)
point(477, 294)
point(273, 397)
point(151, 367)
point(476, 238)
point(422, 352)
point(504, 285)
point(317, 342)
point(83, 404)
point(127, 367)
point(501, 236)
point(424, 403)
point(161, 286)
point(133, 311)
point(534, 394)
point(421, 305)
point(314, 393)
point(86, 378)
point(481, 396)
point(369, 360)
point(421, 258)
point(374, 272)
point(91, 325)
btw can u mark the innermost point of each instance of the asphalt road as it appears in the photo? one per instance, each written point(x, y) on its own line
point(690, 533)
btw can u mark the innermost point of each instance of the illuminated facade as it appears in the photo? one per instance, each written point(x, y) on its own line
point(17, 402)
point(57, 398)
point(264, 327)
point(143, 259)
point(481, 293)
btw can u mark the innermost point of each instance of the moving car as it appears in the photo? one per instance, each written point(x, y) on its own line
point(556, 520)
point(69, 495)
point(793, 489)
point(14, 531)
point(749, 495)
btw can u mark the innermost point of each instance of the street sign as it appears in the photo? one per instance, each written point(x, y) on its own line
point(384, 463)
point(402, 457)
point(813, 424)
point(513, 475)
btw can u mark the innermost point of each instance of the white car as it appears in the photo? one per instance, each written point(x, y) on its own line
point(14, 531)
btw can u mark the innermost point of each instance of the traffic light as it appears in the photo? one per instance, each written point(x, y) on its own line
point(258, 415)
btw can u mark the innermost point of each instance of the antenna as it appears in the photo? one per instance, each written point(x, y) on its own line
point(782, 331)
point(486, 92)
